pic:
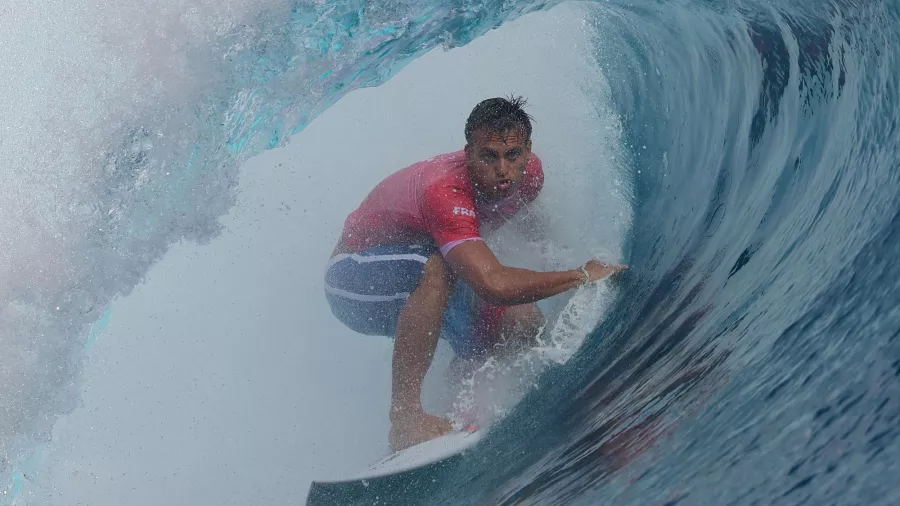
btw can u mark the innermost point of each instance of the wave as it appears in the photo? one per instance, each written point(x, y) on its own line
point(751, 353)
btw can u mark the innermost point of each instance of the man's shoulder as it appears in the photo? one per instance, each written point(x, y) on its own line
point(425, 173)
point(445, 163)
point(447, 172)
point(450, 191)
point(454, 185)
point(535, 166)
point(534, 179)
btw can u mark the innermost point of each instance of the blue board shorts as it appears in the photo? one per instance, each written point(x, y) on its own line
point(367, 291)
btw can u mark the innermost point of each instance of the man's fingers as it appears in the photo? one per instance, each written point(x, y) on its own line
point(617, 270)
point(603, 270)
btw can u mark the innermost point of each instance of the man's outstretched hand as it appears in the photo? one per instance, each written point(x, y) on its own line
point(414, 428)
point(598, 270)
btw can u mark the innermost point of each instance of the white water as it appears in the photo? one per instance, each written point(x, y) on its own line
point(223, 379)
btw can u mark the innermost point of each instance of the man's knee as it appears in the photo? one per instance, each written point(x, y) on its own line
point(515, 329)
point(523, 319)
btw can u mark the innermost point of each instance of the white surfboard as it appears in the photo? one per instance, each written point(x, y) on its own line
point(401, 469)
point(422, 454)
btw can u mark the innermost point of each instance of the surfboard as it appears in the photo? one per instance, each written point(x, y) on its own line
point(411, 469)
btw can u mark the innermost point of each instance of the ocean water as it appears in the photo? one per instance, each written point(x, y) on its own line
point(750, 355)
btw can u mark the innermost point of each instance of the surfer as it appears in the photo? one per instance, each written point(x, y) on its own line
point(411, 262)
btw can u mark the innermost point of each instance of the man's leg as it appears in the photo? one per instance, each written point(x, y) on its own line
point(416, 339)
point(513, 332)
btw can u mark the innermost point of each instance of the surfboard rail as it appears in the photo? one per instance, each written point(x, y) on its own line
point(408, 473)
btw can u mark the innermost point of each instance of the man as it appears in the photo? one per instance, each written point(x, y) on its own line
point(411, 262)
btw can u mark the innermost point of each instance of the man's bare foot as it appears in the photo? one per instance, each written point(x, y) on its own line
point(411, 430)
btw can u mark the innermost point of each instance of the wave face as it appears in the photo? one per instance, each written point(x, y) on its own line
point(752, 353)
point(752, 356)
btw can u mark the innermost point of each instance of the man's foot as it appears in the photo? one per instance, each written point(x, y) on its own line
point(411, 430)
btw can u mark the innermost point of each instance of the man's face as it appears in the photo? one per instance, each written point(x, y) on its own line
point(497, 162)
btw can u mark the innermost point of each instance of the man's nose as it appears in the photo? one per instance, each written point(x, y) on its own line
point(504, 168)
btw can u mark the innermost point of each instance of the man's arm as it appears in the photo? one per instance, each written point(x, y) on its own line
point(477, 265)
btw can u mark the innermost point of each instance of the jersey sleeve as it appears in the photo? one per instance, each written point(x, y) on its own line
point(449, 213)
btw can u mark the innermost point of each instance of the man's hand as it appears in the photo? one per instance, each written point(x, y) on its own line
point(414, 428)
point(598, 270)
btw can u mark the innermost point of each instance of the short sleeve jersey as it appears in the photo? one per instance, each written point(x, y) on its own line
point(434, 202)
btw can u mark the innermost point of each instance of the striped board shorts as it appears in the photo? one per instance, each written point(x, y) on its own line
point(367, 291)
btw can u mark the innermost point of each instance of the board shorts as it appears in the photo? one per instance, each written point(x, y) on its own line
point(367, 291)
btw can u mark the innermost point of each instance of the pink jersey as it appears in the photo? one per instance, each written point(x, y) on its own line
point(433, 200)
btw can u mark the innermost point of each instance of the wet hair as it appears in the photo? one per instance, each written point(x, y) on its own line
point(500, 115)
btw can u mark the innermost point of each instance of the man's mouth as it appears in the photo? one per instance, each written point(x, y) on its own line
point(504, 185)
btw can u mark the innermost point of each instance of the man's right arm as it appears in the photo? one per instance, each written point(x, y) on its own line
point(477, 265)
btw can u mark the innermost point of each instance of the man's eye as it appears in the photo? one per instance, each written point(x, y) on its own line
point(512, 155)
point(489, 157)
